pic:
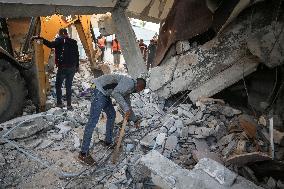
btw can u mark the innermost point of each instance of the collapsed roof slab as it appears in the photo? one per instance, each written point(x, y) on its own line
point(16, 10)
point(204, 62)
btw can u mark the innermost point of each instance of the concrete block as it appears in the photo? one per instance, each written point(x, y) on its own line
point(171, 142)
point(167, 175)
point(223, 175)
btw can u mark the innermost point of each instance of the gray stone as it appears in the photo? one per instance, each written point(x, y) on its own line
point(171, 143)
point(148, 140)
point(129, 147)
point(229, 111)
point(29, 128)
point(200, 132)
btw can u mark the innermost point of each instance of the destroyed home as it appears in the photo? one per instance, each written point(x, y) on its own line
point(211, 115)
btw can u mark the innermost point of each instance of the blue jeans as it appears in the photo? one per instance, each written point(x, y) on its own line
point(68, 75)
point(100, 102)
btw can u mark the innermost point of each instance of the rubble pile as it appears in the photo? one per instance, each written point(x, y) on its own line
point(40, 150)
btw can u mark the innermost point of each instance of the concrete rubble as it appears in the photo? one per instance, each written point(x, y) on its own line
point(201, 141)
point(206, 174)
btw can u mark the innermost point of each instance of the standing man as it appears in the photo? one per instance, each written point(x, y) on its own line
point(67, 61)
point(151, 53)
point(143, 49)
point(116, 51)
point(102, 46)
point(118, 87)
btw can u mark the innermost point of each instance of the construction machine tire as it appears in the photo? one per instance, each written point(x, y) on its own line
point(12, 91)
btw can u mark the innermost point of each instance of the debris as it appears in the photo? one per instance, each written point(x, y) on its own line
point(243, 159)
point(148, 140)
point(278, 137)
point(249, 125)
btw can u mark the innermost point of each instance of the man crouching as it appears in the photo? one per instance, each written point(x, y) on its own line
point(118, 87)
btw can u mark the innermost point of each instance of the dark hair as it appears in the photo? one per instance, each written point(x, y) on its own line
point(142, 81)
point(62, 31)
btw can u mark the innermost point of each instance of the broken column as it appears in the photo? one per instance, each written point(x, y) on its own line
point(126, 37)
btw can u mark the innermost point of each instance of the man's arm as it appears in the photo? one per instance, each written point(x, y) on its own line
point(77, 57)
point(51, 44)
point(122, 90)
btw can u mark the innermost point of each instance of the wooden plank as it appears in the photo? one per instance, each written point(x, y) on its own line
point(121, 135)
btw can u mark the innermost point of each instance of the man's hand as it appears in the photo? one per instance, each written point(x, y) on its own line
point(127, 114)
point(137, 123)
point(77, 70)
point(35, 37)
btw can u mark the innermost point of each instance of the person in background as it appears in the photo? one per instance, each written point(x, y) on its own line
point(67, 61)
point(102, 45)
point(143, 49)
point(116, 51)
point(151, 53)
point(114, 86)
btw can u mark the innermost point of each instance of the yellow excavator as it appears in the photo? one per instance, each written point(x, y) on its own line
point(23, 63)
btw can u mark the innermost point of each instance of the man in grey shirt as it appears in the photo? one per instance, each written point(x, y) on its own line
point(118, 87)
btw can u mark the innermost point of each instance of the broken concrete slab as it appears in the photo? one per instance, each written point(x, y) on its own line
point(166, 174)
point(160, 78)
point(224, 79)
point(28, 128)
point(243, 159)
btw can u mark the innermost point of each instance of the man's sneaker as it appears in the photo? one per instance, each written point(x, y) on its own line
point(59, 105)
point(86, 159)
point(70, 108)
point(109, 144)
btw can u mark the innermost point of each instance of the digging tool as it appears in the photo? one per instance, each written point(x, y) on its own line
point(121, 134)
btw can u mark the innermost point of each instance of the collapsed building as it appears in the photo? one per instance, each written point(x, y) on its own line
point(188, 137)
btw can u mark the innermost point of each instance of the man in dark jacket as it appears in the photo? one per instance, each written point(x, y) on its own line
point(67, 61)
point(118, 87)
